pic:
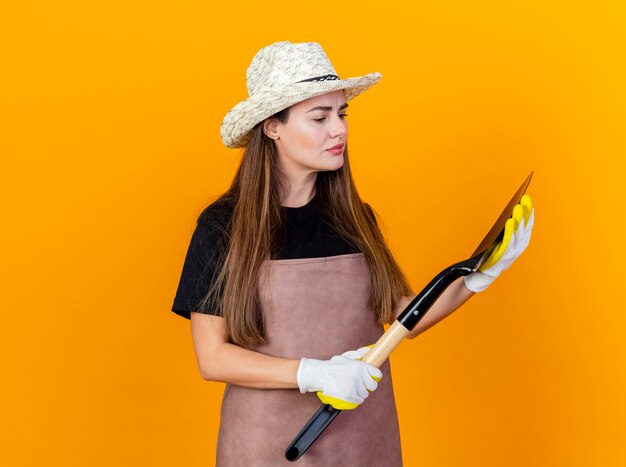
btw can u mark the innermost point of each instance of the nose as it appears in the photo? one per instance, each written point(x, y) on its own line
point(339, 127)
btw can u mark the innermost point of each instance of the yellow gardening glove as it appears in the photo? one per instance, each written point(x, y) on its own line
point(343, 381)
point(517, 232)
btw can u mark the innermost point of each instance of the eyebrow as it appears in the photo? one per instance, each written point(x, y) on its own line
point(326, 108)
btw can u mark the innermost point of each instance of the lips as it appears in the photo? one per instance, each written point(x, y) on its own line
point(339, 146)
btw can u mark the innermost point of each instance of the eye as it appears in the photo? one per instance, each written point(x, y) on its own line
point(321, 119)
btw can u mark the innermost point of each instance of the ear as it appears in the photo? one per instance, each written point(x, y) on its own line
point(270, 128)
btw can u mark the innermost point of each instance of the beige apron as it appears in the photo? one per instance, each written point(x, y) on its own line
point(313, 308)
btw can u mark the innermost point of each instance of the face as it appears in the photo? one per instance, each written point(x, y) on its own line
point(314, 126)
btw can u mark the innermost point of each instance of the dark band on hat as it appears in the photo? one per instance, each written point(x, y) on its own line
point(321, 78)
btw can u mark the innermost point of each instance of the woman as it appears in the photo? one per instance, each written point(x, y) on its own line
point(288, 272)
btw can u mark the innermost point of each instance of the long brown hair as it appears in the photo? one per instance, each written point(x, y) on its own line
point(257, 224)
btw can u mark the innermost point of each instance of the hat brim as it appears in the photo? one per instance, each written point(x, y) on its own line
point(239, 121)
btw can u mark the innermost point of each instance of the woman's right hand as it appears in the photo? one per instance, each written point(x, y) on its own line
point(344, 381)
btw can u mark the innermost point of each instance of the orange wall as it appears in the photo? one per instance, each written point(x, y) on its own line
point(109, 138)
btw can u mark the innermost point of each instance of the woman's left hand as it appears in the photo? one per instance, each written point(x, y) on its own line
point(516, 238)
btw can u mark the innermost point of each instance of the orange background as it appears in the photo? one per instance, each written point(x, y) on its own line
point(110, 146)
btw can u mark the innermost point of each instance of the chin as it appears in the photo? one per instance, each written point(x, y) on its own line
point(334, 165)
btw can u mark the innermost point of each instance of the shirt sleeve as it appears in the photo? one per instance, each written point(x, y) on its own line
point(199, 271)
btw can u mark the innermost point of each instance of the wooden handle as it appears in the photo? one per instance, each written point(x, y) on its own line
point(385, 345)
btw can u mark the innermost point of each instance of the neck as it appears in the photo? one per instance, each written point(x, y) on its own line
point(298, 191)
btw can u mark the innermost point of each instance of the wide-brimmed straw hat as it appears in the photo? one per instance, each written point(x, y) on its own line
point(281, 75)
